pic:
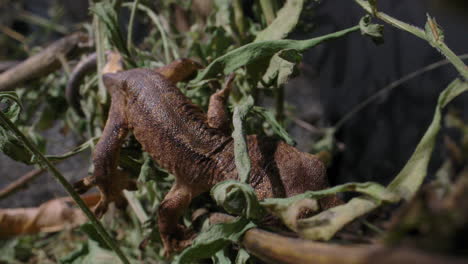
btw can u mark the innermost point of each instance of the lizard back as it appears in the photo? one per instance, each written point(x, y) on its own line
point(169, 126)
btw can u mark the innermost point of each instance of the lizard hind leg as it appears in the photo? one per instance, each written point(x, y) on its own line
point(301, 172)
point(107, 177)
point(110, 180)
point(175, 236)
point(111, 191)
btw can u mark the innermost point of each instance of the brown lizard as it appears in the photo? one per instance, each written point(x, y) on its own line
point(194, 146)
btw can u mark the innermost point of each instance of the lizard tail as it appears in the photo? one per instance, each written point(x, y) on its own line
point(72, 91)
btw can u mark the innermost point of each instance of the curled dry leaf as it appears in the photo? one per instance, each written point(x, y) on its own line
point(51, 216)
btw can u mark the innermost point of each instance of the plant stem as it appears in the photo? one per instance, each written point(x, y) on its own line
point(239, 17)
point(68, 187)
point(439, 45)
point(268, 10)
point(43, 22)
point(390, 87)
point(99, 40)
point(158, 24)
point(130, 25)
point(20, 182)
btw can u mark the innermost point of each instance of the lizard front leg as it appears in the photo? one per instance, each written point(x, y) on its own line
point(110, 180)
point(218, 115)
point(179, 70)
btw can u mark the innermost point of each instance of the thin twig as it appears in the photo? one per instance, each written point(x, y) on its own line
point(43, 22)
point(392, 86)
point(6, 65)
point(308, 127)
point(20, 183)
point(43, 62)
point(13, 34)
point(275, 248)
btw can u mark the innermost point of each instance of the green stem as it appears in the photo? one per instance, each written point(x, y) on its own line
point(158, 24)
point(99, 40)
point(439, 45)
point(268, 10)
point(40, 21)
point(130, 25)
point(239, 17)
point(68, 187)
point(454, 59)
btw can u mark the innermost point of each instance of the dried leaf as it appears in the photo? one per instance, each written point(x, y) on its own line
point(375, 31)
point(281, 67)
point(241, 152)
point(259, 52)
point(242, 256)
point(237, 198)
point(51, 216)
point(214, 239)
point(288, 208)
point(324, 225)
point(276, 127)
point(285, 21)
point(434, 32)
point(11, 110)
point(108, 15)
point(410, 178)
point(9, 143)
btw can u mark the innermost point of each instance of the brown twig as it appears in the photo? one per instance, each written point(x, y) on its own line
point(44, 62)
point(308, 127)
point(6, 65)
point(13, 34)
point(20, 183)
point(274, 248)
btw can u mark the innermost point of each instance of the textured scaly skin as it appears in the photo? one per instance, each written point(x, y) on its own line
point(181, 138)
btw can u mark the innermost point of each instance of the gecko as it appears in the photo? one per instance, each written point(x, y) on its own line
point(196, 147)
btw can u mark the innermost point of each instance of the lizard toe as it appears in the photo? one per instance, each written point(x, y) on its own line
point(178, 240)
point(84, 184)
point(101, 208)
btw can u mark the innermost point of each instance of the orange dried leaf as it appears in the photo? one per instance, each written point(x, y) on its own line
point(51, 216)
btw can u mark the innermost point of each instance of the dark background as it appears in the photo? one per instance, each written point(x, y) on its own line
point(380, 139)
